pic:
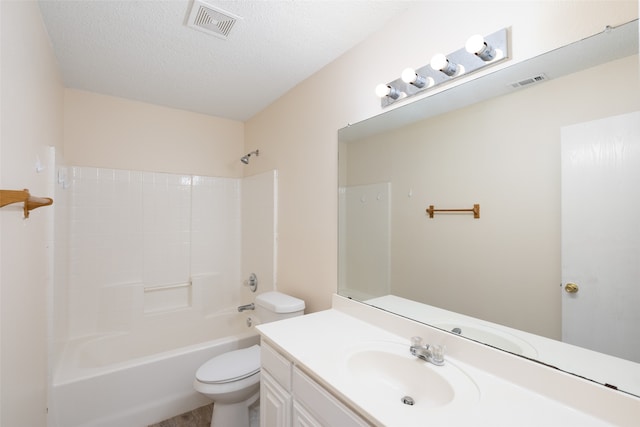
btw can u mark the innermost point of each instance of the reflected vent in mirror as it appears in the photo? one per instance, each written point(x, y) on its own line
point(529, 81)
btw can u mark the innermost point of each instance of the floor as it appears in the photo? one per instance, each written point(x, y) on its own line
point(201, 417)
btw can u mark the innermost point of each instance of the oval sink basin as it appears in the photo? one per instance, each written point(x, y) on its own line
point(385, 376)
point(493, 337)
point(395, 377)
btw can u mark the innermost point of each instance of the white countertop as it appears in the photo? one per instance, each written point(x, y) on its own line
point(510, 391)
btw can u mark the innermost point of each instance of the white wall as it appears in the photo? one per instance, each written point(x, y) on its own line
point(259, 231)
point(32, 98)
point(298, 134)
point(109, 132)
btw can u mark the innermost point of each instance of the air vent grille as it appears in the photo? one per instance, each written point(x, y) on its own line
point(531, 80)
point(211, 20)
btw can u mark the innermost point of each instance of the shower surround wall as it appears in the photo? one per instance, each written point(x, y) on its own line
point(156, 266)
point(144, 243)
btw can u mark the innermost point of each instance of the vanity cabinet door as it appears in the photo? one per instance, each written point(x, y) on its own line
point(319, 407)
point(275, 403)
point(302, 418)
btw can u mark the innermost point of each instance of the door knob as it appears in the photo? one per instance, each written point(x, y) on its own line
point(571, 288)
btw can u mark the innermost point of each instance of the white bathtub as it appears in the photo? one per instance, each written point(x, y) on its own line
point(141, 378)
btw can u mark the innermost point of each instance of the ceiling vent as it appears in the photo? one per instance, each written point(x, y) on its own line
point(212, 20)
point(529, 81)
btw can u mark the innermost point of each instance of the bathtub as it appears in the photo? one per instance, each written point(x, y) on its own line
point(139, 378)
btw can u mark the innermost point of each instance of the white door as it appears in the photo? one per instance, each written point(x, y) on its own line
point(601, 235)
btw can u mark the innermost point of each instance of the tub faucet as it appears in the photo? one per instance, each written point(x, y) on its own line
point(247, 307)
point(430, 353)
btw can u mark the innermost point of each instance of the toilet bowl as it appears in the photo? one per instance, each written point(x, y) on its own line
point(232, 379)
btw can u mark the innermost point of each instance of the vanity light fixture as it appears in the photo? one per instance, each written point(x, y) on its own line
point(387, 91)
point(479, 52)
point(410, 76)
point(440, 62)
point(479, 47)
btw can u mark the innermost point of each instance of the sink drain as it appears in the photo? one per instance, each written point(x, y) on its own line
point(408, 400)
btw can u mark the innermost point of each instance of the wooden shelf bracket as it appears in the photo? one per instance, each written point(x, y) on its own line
point(8, 197)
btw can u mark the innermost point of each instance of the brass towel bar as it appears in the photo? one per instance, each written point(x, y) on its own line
point(8, 197)
point(476, 210)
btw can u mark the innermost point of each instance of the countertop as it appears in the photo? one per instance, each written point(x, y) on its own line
point(320, 344)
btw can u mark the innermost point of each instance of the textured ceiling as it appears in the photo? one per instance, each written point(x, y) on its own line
point(144, 50)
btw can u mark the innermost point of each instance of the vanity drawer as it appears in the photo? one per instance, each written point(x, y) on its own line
point(320, 405)
point(276, 364)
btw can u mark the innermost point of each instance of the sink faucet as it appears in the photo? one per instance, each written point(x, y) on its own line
point(430, 353)
point(246, 307)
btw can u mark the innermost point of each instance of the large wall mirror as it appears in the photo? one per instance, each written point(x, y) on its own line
point(498, 142)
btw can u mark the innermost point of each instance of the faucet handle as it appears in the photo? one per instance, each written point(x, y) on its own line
point(437, 354)
point(416, 341)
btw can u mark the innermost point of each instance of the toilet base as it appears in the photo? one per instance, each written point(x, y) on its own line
point(233, 414)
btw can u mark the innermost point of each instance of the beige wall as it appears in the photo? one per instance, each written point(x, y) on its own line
point(32, 97)
point(298, 133)
point(116, 133)
point(505, 155)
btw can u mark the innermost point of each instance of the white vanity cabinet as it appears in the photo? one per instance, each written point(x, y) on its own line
point(313, 405)
point(290, 398)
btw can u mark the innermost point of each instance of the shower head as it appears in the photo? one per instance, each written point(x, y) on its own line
point(245, 159)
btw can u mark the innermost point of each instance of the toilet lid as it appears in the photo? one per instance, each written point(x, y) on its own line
point(231, 366)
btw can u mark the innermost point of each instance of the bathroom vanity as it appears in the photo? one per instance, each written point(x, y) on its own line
point(351, 366)
point(291, 397)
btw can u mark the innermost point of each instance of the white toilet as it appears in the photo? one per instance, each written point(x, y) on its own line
point(232, 379)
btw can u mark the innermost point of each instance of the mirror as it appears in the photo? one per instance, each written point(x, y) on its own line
point(492, 141)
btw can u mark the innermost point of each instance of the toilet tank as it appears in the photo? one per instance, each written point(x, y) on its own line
point(272, 306)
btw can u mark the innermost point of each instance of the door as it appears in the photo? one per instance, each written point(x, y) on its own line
point(600, 205)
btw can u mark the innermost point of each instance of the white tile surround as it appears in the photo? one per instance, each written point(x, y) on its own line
point(131, 229)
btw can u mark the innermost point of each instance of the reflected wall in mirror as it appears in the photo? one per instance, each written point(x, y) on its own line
point(504, 154)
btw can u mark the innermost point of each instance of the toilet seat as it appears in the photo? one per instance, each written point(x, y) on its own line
point(231, 366)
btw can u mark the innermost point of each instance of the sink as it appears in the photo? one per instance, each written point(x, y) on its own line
point(385, 376)
point(492, 336)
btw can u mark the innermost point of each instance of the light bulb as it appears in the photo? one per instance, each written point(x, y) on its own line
point(477, 45)
point(439, 62)
point(410, 76)
point(383, 90)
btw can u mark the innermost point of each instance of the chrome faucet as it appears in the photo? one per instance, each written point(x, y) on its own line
point(430, 353)
point(246, 307)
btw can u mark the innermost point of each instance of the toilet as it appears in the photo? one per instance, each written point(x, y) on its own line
point(232, 379)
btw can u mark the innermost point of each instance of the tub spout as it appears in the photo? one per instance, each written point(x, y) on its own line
point(247, 307)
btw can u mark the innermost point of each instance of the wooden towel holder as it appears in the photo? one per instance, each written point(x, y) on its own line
point(8, 197)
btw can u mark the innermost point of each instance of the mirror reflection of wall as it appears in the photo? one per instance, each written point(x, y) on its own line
point(503, 154)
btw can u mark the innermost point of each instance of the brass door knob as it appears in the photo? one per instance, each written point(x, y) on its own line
point(571, 288)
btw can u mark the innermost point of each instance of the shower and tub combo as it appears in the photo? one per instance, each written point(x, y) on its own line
point(130, 379)
point(152, 289)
